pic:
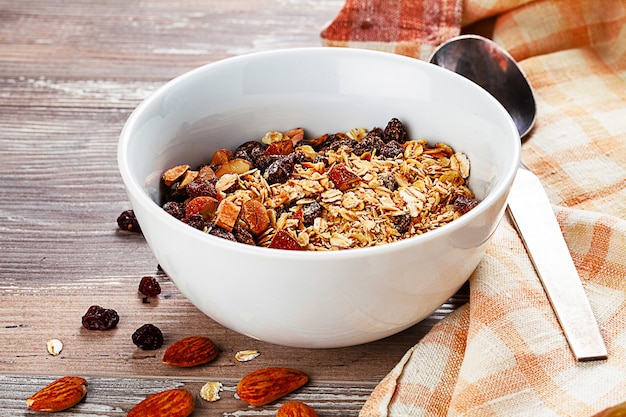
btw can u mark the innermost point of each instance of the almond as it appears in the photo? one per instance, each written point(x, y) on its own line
point(265, 385)
point(254, 214)
point(59, 395)
point(190, 351)
point(295, 409)
point(234, 166)
point(175, 402)
point(173, 174)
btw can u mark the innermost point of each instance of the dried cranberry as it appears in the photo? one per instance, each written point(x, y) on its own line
point(148, 337)
point(149, 286)
point(280, 170)
point(128, 221)
point(463, 204)
point(395, 131)
point(99, 318)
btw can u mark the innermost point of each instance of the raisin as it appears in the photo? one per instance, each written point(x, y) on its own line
point(99, 318)
point(250, 151)
point(242, 235)
point(321, 158)
point(388, 180)
point(368, 144)
point(402, 223)
point(392, 149)
point(196, 221)
point(175, 209)
point(280, 170)
point(148, 337)
point(463, 204)
point(310, 212)
point(263, 161)
point(395, 131)
point(149, 286)
point(339, 142)
point(128, 221)
point(223, 233)
point(202, 187)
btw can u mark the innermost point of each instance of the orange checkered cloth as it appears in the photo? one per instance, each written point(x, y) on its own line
point(503, 353)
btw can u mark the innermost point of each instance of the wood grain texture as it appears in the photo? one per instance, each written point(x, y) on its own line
point(71, 72)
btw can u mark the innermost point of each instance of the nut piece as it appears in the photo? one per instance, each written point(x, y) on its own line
point(227, 214)
point(265, 385)
point(295, 409)
point(59, 395)
point(246, 355)
point(211, 391)
point(54, 346)
point(173, 174)
point(234, 166)
point(175, 402)
point(254, 214)
point(190, 351)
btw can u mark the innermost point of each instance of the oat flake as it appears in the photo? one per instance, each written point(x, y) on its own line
point(246, 355)
point(54, 346)
point(211, 391)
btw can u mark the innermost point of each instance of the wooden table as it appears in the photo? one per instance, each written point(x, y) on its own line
point(71, 72)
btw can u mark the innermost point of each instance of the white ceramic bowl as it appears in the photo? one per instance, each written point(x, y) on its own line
point(317, 299)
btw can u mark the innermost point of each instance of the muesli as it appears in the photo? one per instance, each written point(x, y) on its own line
point(336, 191)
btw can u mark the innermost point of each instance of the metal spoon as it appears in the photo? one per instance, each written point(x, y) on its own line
point(491, 67)
point(488, 65)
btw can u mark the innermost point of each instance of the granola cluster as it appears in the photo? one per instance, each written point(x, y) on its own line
point(337, 191)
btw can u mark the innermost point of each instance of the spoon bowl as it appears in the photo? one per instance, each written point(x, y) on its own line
point(487, 64)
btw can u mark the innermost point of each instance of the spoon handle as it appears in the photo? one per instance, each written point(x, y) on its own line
point(536, 223)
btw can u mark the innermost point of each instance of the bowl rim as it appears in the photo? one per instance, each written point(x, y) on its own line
point(140, 194)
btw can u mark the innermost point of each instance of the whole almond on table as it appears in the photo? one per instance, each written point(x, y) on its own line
point(190, 351)
point(175, 402)
point(295, 409)
point(59, 395)
point(266, 385)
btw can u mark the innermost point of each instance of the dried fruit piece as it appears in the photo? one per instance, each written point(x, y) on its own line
point(173, 174)
point(148, 337)
point(342, 177)
point(254, 214)
point(295, 409)
point(284, 147)
point(149, 286)
point(190, 351)
point(177, 402)
point(221, 156)
point(283, 240)
point(100, 318)
point(54, 347)
point(59, 395)
point(211, 391)
point(234, 166)
point(265, 385)
point(127, 221)
point(246, 355)
point(227, 214)
point(202, 205)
